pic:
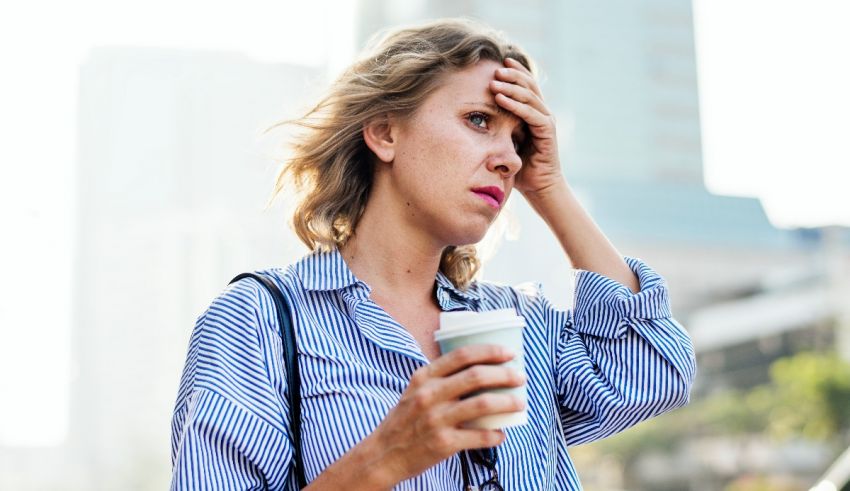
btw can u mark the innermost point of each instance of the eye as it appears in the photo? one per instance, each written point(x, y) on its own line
point(479, 120)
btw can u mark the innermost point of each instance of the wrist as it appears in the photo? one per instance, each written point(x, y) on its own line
point(364, 467)
point(557, 189)
point(380, 473)
point(552, 199)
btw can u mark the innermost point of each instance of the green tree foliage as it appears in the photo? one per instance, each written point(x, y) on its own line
point(808, 396)
point(812, 397)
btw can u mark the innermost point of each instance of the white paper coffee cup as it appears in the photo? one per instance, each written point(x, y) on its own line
point(501, 327)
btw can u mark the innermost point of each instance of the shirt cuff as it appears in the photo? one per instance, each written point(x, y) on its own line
point(606, 308)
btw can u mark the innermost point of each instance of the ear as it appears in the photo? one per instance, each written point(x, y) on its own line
point(380, 136)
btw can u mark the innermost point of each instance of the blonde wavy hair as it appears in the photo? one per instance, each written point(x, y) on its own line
point(330, 164)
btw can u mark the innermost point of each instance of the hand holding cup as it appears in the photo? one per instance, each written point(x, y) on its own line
point(431, 422)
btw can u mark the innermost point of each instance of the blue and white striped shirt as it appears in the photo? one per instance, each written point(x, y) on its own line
point(616, 359)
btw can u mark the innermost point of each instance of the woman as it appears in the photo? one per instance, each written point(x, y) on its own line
point(405, 164)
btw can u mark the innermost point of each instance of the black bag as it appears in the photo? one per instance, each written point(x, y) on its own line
point(290, 358)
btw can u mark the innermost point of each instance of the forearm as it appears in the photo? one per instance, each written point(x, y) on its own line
point(583, 242)
point(361, 468)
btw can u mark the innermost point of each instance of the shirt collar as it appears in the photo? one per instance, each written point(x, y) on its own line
point(322, 271)
point(444, 284)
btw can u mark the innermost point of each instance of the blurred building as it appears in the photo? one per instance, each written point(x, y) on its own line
point(173, 180)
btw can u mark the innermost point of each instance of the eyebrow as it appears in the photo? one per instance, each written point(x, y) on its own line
point(493, 107)
point(500, 111)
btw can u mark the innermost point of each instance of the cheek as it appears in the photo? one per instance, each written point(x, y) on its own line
point(458, 152)
point(442, 157)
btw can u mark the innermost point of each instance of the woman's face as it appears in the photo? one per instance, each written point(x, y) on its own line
point(456, 158)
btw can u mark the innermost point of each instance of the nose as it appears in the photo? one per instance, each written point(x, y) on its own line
point(505, 160)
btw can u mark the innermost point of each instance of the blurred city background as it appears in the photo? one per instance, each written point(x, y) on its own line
point(708, 138)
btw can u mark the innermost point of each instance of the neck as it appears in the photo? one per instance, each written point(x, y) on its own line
point(391, 255)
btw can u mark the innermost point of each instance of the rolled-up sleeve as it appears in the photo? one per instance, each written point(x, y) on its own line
point(621, 358)
point(228, 431)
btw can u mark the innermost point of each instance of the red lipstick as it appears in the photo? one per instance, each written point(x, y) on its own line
point(491, 194)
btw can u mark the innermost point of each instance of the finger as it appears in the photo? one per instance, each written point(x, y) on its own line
point(535, 119)
point(514, 76)
point(514, 63)
point(474, 438)
point(480, 377)
point(519, 76)
point(485, 404)
point(461, 358)
point(519, 93)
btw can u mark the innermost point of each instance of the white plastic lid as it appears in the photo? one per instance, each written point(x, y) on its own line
point(450, 321)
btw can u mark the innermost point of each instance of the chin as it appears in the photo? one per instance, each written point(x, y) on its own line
point(468, 234)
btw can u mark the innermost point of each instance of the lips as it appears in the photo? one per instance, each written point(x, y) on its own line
point(491, 194)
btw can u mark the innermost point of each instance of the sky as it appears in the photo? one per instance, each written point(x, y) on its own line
point(774, 99)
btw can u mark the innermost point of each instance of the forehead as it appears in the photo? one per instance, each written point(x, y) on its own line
point(483, 71)
point(472, 81)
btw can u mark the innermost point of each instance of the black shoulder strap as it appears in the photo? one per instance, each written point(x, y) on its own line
point(290, 358)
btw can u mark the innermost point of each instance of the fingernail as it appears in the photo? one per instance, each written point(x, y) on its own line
point(504, 71)
point(508, 352)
